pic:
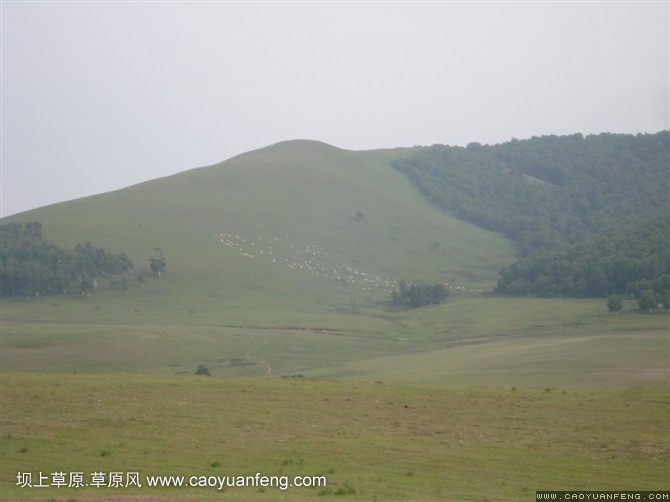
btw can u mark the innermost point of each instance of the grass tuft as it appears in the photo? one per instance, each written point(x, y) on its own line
point(346, 489)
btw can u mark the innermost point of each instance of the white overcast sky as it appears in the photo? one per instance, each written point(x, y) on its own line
point(97, 96)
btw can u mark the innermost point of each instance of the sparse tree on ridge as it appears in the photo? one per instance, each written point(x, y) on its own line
point(158, 264)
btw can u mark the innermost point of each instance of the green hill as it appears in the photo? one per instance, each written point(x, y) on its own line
point(270, 236)
point(282, 261)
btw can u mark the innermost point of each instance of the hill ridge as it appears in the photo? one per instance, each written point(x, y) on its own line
point(348, 225)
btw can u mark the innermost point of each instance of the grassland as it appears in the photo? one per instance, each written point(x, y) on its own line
point(467, 341)
point(280, 288)
point(370, 441)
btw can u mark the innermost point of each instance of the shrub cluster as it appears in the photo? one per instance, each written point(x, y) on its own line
point(419, 294)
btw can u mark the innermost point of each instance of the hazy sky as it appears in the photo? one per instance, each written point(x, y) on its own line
point(97, 96)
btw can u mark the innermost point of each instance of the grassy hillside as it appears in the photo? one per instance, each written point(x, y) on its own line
point(269, 237)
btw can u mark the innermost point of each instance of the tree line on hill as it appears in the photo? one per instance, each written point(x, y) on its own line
point(561, 200)
point(30, 265)
point(623, 262)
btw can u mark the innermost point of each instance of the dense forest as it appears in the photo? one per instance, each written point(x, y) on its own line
point(30, 265)
point(624, 262)
point(551, 193)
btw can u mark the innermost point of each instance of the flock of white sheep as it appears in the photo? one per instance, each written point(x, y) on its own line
point(311, 259)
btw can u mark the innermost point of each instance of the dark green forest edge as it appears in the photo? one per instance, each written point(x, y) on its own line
point(590, 215)
point(31, 266)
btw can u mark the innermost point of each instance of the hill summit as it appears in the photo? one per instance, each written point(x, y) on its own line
point(296, 226)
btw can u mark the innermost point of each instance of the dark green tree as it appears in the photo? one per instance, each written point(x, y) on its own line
point(647, 301)
point(615, 303)
point(142, 277)
point(158, 264)
point(86, 285)
point(203, 370)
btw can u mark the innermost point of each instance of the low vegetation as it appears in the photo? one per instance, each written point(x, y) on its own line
point(371, 441)
point(419, 295)
point(467, 340)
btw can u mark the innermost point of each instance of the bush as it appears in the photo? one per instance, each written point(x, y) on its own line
point(345, 489)
point(419, 295)
point(203, 370)
point(647, 300)
point(615, 303)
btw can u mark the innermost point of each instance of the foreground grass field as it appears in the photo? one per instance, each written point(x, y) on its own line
point(479, 399)
point(371, 441)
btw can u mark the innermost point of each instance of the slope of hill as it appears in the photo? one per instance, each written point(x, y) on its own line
point(550, 191)
point(296, 228)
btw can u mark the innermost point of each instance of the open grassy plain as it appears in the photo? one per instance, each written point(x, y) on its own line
point(467, 341)
point(371, 441)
